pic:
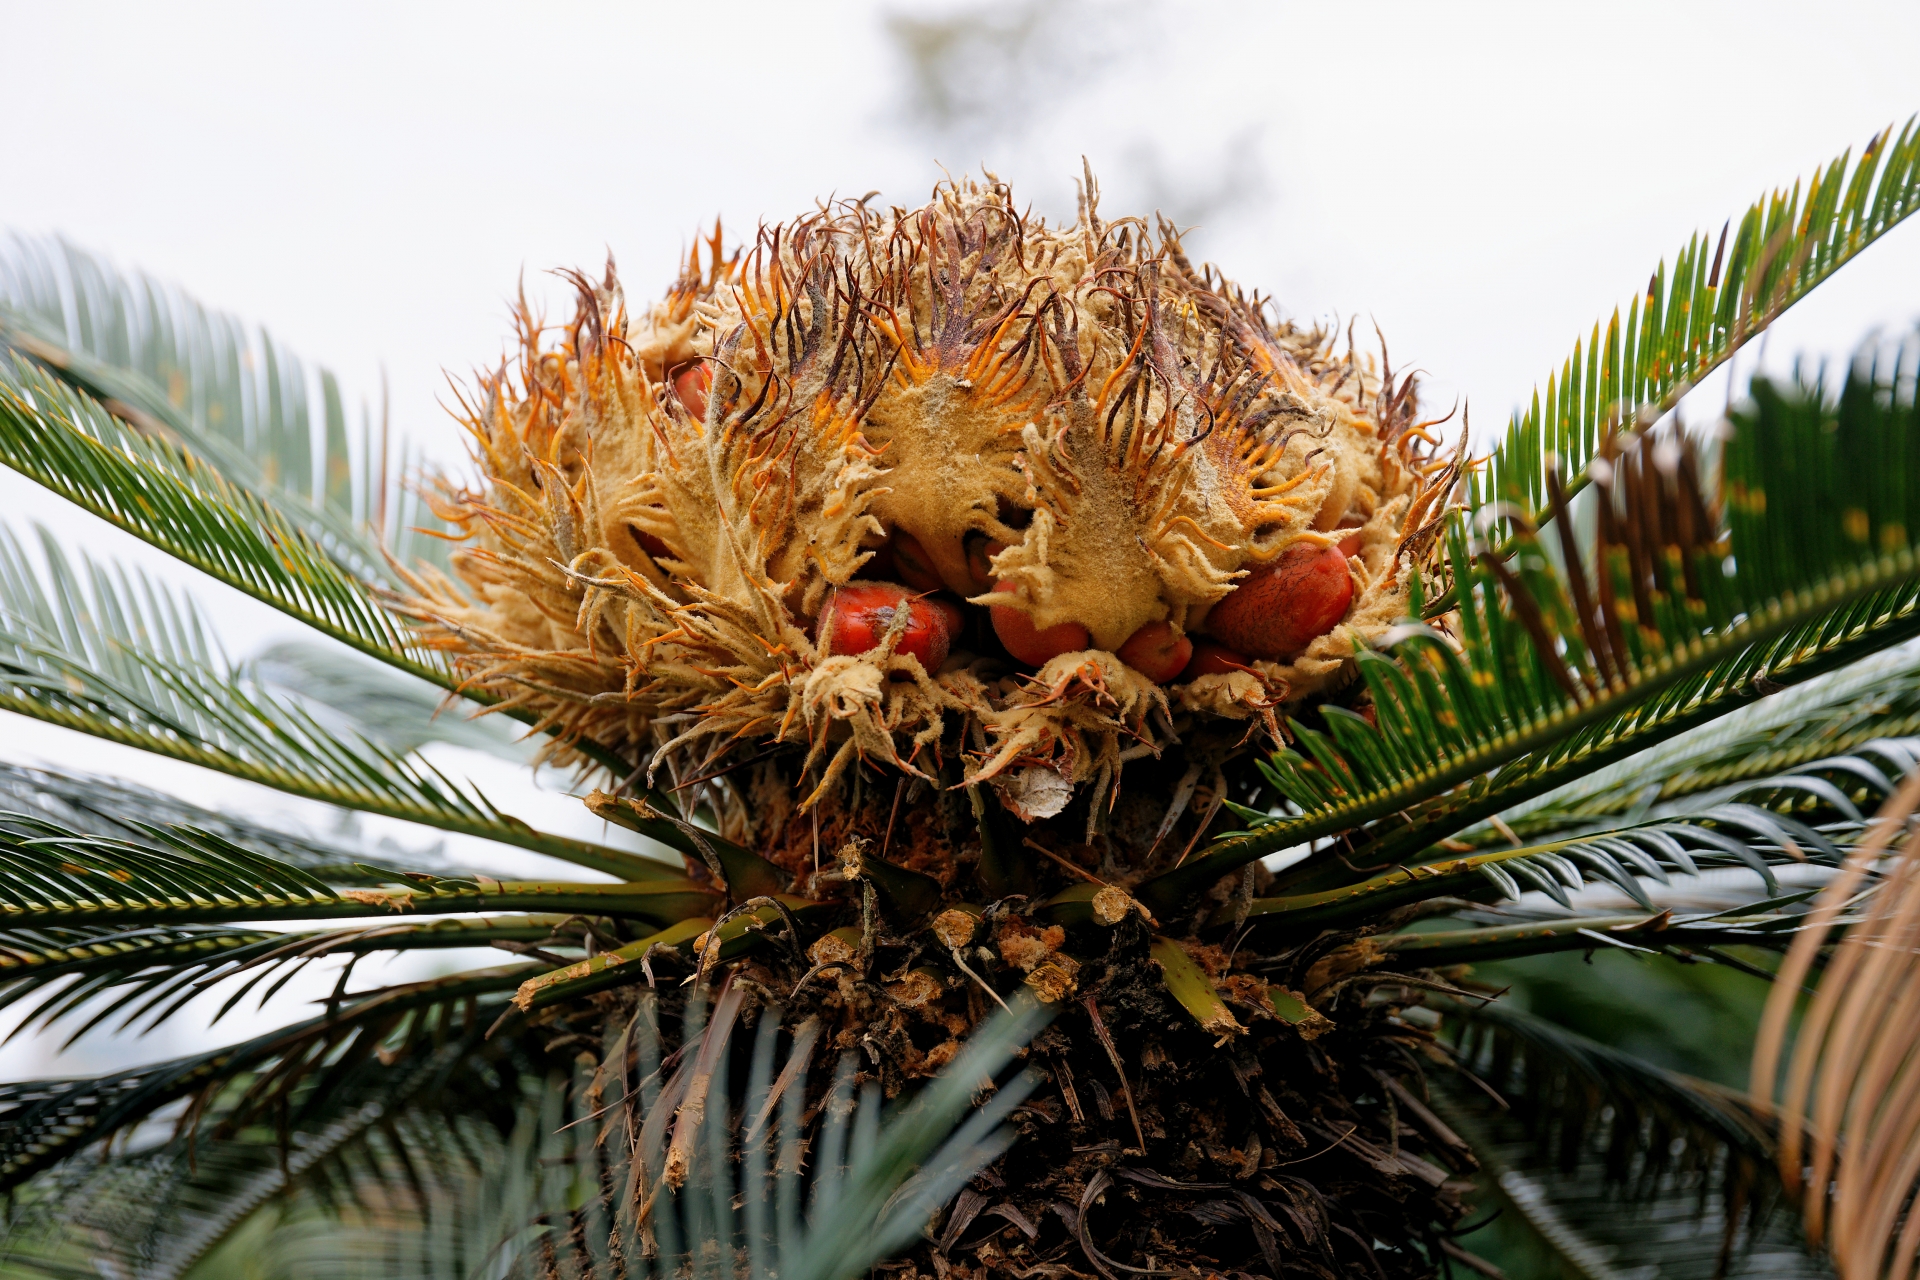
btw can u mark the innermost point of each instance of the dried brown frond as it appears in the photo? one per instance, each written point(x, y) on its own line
point(1852, 1084)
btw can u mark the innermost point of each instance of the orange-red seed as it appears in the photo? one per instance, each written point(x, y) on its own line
point(856, 618)
point(1030, 644)
point(1280, 608)
point(1157, 652)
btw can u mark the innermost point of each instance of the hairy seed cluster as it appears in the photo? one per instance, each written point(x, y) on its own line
point(946, 486)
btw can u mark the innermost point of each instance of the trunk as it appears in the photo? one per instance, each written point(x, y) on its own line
point(1252, 1105)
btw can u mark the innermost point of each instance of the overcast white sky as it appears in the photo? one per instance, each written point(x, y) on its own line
point(371, 180)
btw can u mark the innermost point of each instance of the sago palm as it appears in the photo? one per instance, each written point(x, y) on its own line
point(1086, 731)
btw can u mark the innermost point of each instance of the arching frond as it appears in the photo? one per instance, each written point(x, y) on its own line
point(49, 1120)
point(51, 877)
point(1688, 322)
point(594, 1170)
point(1811, 815)
point(158, 1209)
point(1616, 1167)
point(156, 1201)
point(1851, 728)
point(172, 499)
point(134, 402)
point(239, 398)
point(1771, 925)
point(124, 659)
point(160, 491)
point(119, 810)
point(151, 971)
point(1727, 835)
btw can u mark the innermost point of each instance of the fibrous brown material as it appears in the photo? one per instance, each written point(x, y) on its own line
point(1073, 414)
point(1146, 1147)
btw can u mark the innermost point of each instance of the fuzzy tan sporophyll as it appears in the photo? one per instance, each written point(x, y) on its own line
point(929, 487)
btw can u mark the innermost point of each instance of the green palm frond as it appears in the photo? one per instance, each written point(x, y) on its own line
point(152, 971)
point(1788, 786)
point(240, 399)
point(174, 500)
point(52, 877)
point(81, 963)
point(165, 494)
point(1687, 323)
point(1618, 1167)
point(1567, 662)
point(48, 1120)
point(118, 810)
point(124, 659)
point(1688, 936)
point(139, 1210)
point(1849, 727)
point(375, 1148)
point(380, 704)
point(1847, 784)
point(159, 1213)
point(224, 1184)
point(93, 929)
point(1726, 835)
point(1814, 814)
point(154, 1207)
point(138, 405)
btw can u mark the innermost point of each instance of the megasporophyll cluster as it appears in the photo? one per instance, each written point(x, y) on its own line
point(936, 489)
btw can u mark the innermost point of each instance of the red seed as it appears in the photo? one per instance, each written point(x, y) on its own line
point(980, 553)
point(1157, 652)
point(1211, 658)
point(1349, 545)
point(912, 563)
point(1029, 644)
point(1279, 608)
point(950, 613)
point(691, 382)
point(856, 619)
